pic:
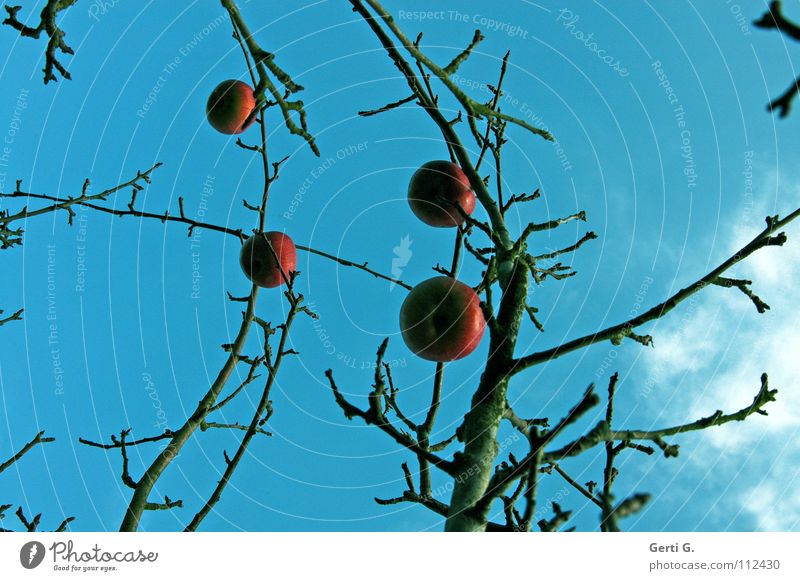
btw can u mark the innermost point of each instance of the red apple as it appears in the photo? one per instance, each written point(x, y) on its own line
point(441, 319)
point(433, 190)
point(231, 108)
point(258, 262)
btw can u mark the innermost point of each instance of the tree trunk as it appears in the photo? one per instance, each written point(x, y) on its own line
point(476, 462)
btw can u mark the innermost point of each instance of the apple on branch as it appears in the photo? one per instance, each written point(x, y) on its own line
point(435, 191)
point(231, 107)
point(442, 320)
point(258, 261)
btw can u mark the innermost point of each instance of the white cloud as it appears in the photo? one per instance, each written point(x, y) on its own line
point(773, 502)
point(713, 359)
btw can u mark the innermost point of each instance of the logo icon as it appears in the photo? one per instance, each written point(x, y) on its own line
point(402, 256)
point(31, 554)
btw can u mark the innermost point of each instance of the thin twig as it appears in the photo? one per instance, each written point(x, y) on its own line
point(37, 439)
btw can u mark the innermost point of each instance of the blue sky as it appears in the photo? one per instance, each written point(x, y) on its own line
point(662, 137)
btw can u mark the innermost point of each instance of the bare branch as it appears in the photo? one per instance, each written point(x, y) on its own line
point(549, 225)
point(374, 415)
point(783, 103)
point(64, 523)
point(260, 415)
point(602, 432)
point(572, 482)
point(168, 504)
point(774, 18)
point(744, 286)
point(47, 24)
point(265, 60)
point(361, 266)
point(555, 523)
point(450, 69)
point(17, 316)
point(389, 107)
point(37, 439)
point(518, 199)
point(608, 521)
point(586, 237)
point(31, 525)
point(83, 199)
point(234, 426)
point(116, 443)
point(475, 109)
point(763, 239)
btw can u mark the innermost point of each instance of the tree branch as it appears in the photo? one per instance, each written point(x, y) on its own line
point(17, 316)
point(47, 24)
point(617, 332)
point(265, 60)
point(37, 439)
point(259, 417)
point(603, 433)
point(375, 416)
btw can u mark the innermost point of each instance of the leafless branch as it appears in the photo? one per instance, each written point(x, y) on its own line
point(615, 333)
point(39, 438)
point(47, 24)
point(265, 61)
point(774, 18)
point(375, 415)
point(17, 316)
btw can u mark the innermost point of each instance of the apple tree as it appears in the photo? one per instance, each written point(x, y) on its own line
point(443, 319)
